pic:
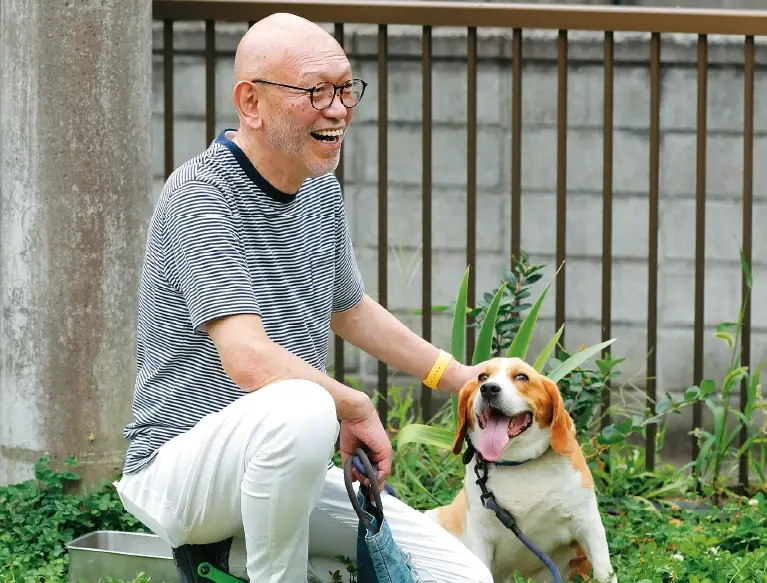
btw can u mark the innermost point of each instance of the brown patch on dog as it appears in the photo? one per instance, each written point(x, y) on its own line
point(453, 516)
point(465, 414)
point(580, 565)
point(543, 396)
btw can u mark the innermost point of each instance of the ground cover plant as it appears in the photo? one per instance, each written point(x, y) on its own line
point(687, 524)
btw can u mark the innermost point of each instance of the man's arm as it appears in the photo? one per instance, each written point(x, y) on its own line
point(253, 361)
point(372, 328)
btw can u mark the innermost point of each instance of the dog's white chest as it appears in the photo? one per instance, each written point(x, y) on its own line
point(541, 498)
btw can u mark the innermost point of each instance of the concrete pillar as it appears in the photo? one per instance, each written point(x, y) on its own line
point(75, 196)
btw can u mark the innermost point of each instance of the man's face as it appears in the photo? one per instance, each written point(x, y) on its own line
point(291, 122)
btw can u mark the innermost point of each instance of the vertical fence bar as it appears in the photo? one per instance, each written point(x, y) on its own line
point(607, 209)
point(471, 179)
point(338, 342)
point(426, 152)
point(561, 177)
point(383, 206)
point(652, 279)
point(167, 66)
point(516, 147)
point(748, 207)
point(210, 81)
point(700, 233)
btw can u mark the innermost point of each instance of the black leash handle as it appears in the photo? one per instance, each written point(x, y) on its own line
point(370, 472)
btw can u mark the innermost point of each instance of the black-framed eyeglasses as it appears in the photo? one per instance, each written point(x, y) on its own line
point(323, 94)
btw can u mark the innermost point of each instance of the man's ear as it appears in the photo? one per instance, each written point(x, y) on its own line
point(246, 101)
point(562, 428)
point(465, 422)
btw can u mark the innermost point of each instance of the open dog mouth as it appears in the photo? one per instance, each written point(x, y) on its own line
point(498, 429)
point(327, 136)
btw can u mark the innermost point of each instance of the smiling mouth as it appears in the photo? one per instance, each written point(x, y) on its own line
point(516, 425)
point(327, 136)
point(498, 429)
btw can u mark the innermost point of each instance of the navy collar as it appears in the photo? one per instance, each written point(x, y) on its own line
point(472, 452)
point(255, 176)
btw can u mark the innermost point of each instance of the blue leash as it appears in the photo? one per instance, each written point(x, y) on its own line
point(388, 488)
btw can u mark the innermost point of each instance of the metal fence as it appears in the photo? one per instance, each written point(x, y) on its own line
point(518, 18)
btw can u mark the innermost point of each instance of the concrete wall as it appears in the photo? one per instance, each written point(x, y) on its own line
point(584, 180)
point(75, 196)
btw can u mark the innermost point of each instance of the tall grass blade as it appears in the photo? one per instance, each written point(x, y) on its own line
point(425, 434)
point(484, 347)
point(547, 350)
point(576, 360)
point(522, 339)
point(458, 337)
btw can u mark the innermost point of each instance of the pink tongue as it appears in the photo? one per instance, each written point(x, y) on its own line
point(494, 438)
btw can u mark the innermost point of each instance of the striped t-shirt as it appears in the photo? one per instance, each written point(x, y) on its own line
point(224, 241)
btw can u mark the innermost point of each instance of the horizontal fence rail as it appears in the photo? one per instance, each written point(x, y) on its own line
point(518, 17)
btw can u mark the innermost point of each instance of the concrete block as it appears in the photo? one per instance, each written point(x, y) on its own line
point(722, 294)
point(189, 93)
point(584, 224)
point(449, 91)
point(584, 160)
point(725, 99)
point(585, 95)
point(448, 219)
point(724, 165)
point(724, 229)
point(675, 352)
point(449, 158)
point(188, 141)
point(448, 268)
point(583, 289)
point(225, 109)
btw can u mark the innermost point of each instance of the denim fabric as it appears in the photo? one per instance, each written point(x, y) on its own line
point(379, 559)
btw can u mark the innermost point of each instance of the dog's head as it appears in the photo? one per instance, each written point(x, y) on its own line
point(512, 411)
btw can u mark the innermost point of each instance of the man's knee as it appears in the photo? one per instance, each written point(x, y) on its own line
point(301, 417)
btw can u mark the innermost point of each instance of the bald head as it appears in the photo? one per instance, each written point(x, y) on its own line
point(279, 44)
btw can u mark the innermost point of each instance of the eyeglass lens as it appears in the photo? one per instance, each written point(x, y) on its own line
point(350, 94)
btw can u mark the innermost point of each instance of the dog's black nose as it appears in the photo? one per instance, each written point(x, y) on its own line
point(490, 389)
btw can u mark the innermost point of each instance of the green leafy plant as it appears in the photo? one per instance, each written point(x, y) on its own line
point(516, 286)
point(719, 453)
point(483, 350)
point(718, 446)
point(39, 517)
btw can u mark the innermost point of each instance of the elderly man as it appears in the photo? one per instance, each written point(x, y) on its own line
point(248, 266)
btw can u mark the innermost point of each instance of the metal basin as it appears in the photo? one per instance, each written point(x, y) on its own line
point(121, 555)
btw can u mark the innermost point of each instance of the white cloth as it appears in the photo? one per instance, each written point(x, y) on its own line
point(258, 470)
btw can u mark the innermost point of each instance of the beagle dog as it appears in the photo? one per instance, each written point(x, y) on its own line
point(523, 439)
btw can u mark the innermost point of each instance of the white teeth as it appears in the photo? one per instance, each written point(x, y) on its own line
point(329, 132)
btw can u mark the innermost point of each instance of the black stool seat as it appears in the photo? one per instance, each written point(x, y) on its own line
point(202, 563)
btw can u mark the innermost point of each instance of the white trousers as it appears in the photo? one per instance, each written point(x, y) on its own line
point(257, 470)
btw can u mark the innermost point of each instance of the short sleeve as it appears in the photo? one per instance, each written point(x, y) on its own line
point(204, 254)
point(348, 288)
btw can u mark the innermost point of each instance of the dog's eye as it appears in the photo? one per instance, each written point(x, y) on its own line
point(482, 377)
point(521, 377)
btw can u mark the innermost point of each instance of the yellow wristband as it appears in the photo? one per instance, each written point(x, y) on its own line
point(439, 368)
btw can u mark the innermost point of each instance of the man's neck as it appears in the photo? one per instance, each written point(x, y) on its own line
point(278, 175)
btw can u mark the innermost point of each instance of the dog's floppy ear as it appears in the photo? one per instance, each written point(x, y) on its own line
point(465, 407)
point(562, 428)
